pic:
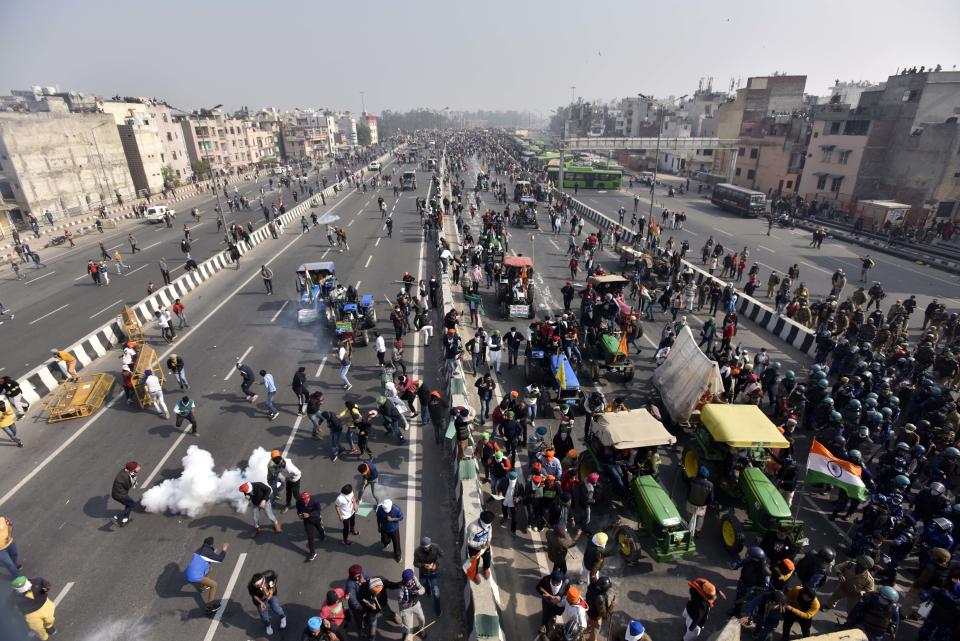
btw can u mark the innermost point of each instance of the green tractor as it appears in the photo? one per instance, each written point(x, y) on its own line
point(616, 435)
point(609, 354)
point(731, 441)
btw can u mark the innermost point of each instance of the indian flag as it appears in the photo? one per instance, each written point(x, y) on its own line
point(824, 467)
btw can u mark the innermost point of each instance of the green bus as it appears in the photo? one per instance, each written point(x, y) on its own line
point(595, 176)
point(540, 162)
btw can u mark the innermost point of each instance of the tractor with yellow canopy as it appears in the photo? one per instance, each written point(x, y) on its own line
point(623, 444)
point(731, 441)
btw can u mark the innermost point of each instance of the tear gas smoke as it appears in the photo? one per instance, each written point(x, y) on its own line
point(199, 486)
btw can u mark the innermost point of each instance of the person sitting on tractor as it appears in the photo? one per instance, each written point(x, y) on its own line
point(617, 406)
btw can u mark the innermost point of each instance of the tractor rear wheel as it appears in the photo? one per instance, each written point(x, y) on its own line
point(691, 463)
point(628, 542)
point(628, 375)
point(731, 534)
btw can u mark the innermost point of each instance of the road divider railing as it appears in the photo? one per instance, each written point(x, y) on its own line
point(786, 329)
point(44, 379)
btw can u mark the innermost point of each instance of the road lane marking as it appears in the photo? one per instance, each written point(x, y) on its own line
point(350, 224)
point(74, 280)
point(279, 311)
point(724, 232)
point(234, 367)
point(293, 433)
point(358, 286)
point(163, 460)
point(134, 271)
point(320, 369)
point(49, 313)
point(377, 244)
point(44, 276)
point(766, 249)
point(212, 630)
point(150, 246)
point(367, 264)
point(36, 469)
point(107, 307)
point(819, 269)
point(63, 593)
point(414, 440)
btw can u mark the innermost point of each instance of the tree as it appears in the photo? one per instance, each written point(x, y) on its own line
point(169, 177)
point(201, 168)
point(363, 134)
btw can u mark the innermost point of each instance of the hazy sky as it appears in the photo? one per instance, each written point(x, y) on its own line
point(523, 54)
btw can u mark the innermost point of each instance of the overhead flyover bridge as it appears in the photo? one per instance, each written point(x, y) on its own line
point(657, 144)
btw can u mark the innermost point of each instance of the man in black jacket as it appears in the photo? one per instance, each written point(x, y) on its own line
point(551, 589)
point(392, 420)
point(259, 495)
point(263, 591)
point(125, 481)
point(247, 379)
point(373, 601)
point(423, 397)
point(10, 388)
point(308, 509)
point(513, 339)
point(299, 386)
point(439, 413)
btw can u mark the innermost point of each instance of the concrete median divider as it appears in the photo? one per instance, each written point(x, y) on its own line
point(42, 380)
point(482, 608)
point(799, 336)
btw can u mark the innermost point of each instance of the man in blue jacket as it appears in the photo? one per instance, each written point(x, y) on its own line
point(198, 570)
point(389, 517)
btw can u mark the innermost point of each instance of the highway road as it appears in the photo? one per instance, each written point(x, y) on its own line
point(650, 591)
point(58, 304)
point(57, 494)
point(783, 248)
point(128, 583)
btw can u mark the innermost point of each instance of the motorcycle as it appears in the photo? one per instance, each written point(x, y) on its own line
point(786, 222)
point(56, 240)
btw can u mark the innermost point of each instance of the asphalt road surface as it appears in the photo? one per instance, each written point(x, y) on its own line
point(650, 591)
point(128, 583)
point(116, 583)
point(783, 248)
point(58, 304)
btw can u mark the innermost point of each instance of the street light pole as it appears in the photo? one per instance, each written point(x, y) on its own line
point(656, 160)
point(216, 191)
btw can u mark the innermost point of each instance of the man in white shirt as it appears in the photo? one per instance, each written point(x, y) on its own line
point(155, 390)
point(445, 257)
point(380, 346)
point(343, 354)
point(291, 479)
point(347, 507)
point(128, 355)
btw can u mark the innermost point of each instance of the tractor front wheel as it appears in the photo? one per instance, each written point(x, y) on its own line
point(731, 534)
point(628, 542)
point(691, 463)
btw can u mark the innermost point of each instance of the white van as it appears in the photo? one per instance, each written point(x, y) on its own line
point(158, 214)
point(374, 166)
point(646, 177)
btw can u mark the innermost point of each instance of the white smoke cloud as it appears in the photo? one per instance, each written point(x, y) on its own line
point(199, 486)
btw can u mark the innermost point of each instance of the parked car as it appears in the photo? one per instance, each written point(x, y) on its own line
point(158, 214)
